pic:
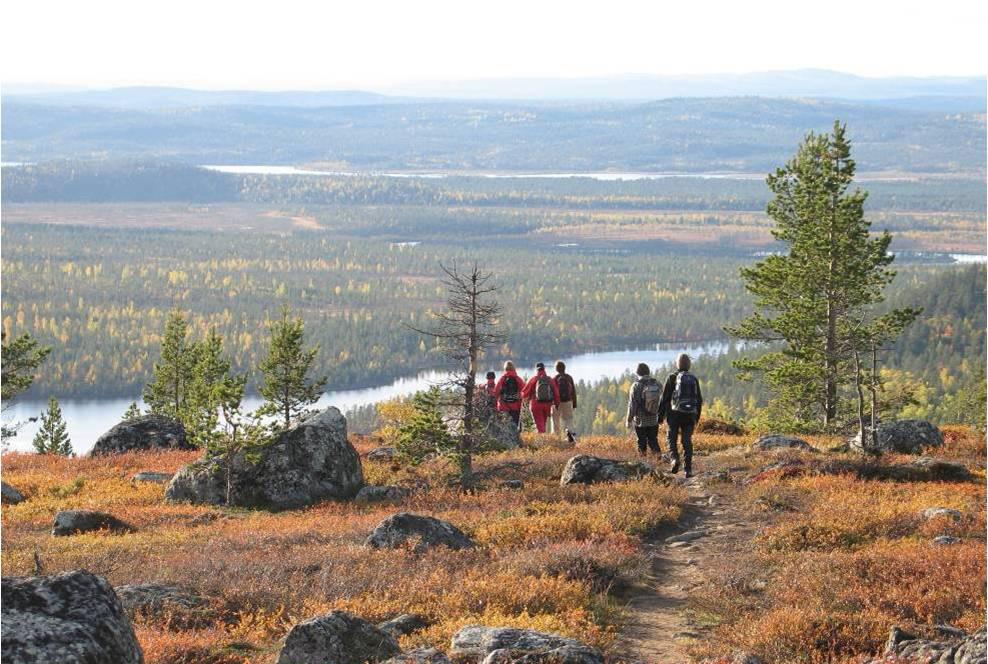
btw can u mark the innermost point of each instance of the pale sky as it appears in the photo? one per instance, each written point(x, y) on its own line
point(375, 44)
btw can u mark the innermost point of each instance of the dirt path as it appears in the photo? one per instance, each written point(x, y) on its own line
point(658, 627)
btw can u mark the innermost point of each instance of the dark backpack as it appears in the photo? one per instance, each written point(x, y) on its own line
point(686, 396)
point(509, 390)
point(543, 389)
point(651, 396)
point(565, 384)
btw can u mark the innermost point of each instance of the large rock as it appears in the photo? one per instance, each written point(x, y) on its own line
point(931, 513)
point(497, 645)
point(778, 442)
point(903, 436)
point(954, 648)
point(71, 618)
point(503, 432)
point(424, 531)
point(381, 494)
point(420, 656)
point(311, 462)
point(586, 469)
point(73, 522)
point(146, 432)
point(10, 495)
point(337, 638)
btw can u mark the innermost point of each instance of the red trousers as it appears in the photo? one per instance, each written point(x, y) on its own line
point(540, 413)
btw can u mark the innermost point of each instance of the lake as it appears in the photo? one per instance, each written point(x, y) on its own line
point(87, 420)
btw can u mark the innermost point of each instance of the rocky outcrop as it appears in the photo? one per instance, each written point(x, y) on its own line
point(337, 637)
point(73, 522)
point(404, 624)
point(424, 532)
point(420, 656)
point(311, 462)
point(902, 436)
point(954, 648)
point(381, 494)
point(10, 495)
point(778, 442)
point(146, 432)
point(586, 469)
point(151, 598)
point(497, 645)
point(71, 618)
point(152, 476)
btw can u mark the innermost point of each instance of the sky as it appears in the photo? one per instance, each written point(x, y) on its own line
point(382, 45)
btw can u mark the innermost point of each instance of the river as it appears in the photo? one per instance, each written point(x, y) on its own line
point(87, 420)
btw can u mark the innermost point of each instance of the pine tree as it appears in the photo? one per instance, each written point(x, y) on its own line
point(210, 384)
point(132, 413)
point(167, 391)
point(53, 437)
point(286, 388)
point(20, 360)
point(815, 299)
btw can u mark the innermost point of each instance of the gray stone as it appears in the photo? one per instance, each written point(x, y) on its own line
point(778, 442)
point(337, 638)
point(71, 618)
point(10, 495)
point(903, 436)
point(382, 454)
point(586, 469)
point(404, 624)
point(495, 645)
point(381, 494)
point(503, 432)
point(939, 469)
point(946, 540)
point(512, 484)
point(420, 656)
point(688, 536)
point(152, 476)
point(424, 532)
point(73, 522)
point(955, 648)
point(311, 462)
point(146, 432)
point(152, 598)
point(941, 512)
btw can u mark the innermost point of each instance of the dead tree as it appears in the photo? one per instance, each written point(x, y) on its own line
point(464, 331)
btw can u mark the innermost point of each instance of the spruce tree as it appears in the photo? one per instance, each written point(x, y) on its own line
point(53, 437)
point(815, 297)
point(167, 391)
point(132, 413)
point(286, 387)
point(426, 434)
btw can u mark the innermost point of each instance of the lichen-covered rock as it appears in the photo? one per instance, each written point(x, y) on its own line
point(503, 432)
point(933, 469)
point(902, 436)
point(337, 638)
point(382, 454)
point(424, 532)
point(73, 522)
point(71, 618)
point(381, 494)
point(151, 598)
point(778, 442)
point(152, 476)
point(941, 513)
point(497, 645)
point(946, 540)
point(146, 432)
point(404, 624)
point(420, 656)
point(586, 469)
point(311, 462)
point(10, 495)
point(954, 648)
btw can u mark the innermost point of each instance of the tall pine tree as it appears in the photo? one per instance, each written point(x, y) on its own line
point(53, 436)
point(814, 299)
point(167, 391)
point(287, 388)
point(21, 358)
point(209, 387)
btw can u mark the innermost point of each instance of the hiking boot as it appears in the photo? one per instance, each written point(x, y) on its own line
point(689, 474)
point(674, 467)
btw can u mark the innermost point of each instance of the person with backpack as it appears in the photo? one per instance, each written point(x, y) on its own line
point(507, 393)
point(680, 408)
point(562, 414)
point(643, 410)
point(542, 395)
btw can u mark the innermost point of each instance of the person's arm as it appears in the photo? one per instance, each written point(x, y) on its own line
point(699, 398)
point(632, 403)
point(497, 388)
point(572, 389)
point(526, 391)
point(667, 391)
point(555, 392)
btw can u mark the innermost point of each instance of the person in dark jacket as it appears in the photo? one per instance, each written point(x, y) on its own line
point(681, 405)
point(507, 392)
point(540, 401)
point(643, 413)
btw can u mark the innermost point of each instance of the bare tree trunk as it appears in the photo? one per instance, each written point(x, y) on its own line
point(874, 397)
point(857, 384)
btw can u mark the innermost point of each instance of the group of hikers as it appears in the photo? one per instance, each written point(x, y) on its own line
point(552, 400)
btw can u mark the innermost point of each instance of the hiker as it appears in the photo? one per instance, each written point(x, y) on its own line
point(507, 393)
point(680, 408)
point(488, 390)
point(562, 413)
point(542, 395)
point(643, 410)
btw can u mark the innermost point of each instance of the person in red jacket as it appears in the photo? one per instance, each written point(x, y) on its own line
point(507, 392)
point(542, 394)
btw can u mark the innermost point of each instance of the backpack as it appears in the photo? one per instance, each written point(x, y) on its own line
point(651, 396)
point(543, 389)
point(565, 384)
point(686, 396)
point(509, 390)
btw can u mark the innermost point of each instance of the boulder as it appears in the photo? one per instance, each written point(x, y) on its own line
point(954, 648)
point(381, 494)
point(382, 454)
point(71, 618)
point(404, 624)
point(424, 531)
point(420, 656)
point(941, 512)
point(719, 427)
point(146, 432)
point(337, 637)
point(495, 645)
point(73, 522)
point(946, 540)
point(152, 476)
point(586, 469)
point(151, 598)
point(512, 484)
point(934, 469)
point(902, 436)
point(503, 432)
point(10, 495)
point(311, 462)
point(778, 442)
